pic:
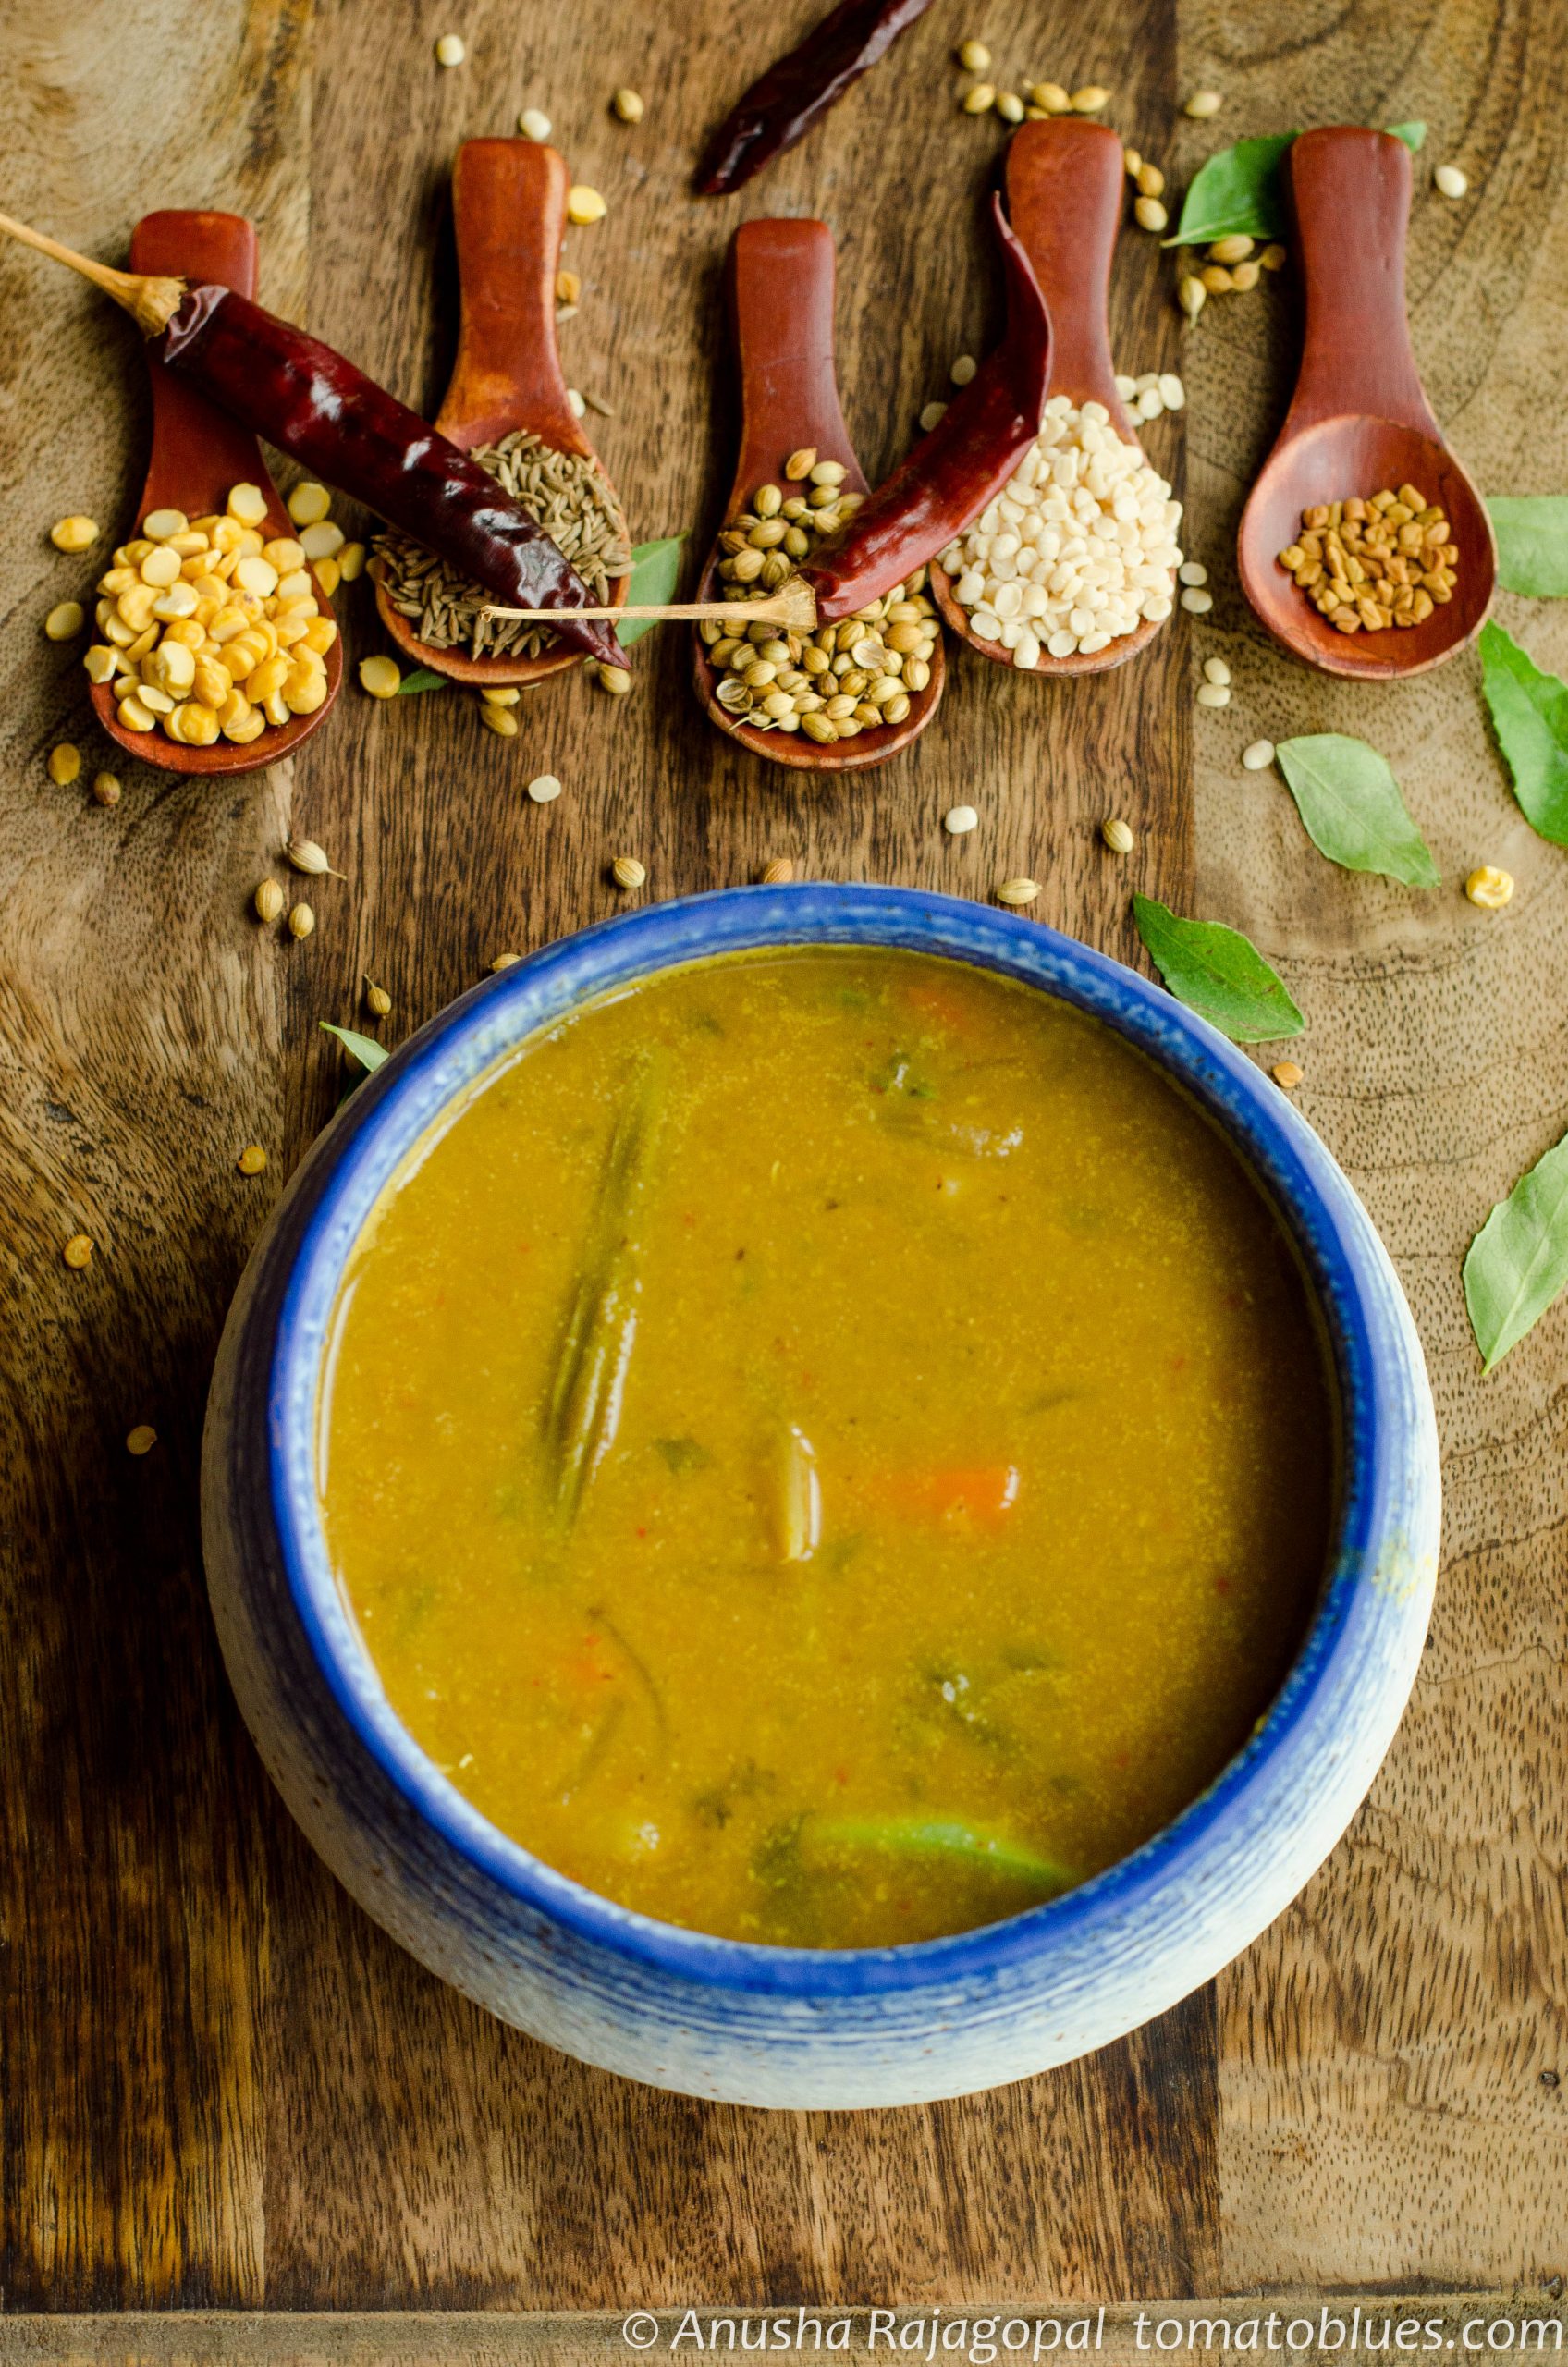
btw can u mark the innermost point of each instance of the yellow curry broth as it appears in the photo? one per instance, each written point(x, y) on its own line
point(889, 1497)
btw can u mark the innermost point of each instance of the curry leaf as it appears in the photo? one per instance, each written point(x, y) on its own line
point(933, 1838)
point(655, 569)
point(1518, 1262)
point(1236, 190)
point(365, 1049)
point(421, 678)
point(1413, 134)
point(1350, 801)
point(1530, 712)
point(1532, 544)
point(1218, 972)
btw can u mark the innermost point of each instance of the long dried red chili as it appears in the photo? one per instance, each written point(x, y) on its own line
point(953, 472)
point(313, 404)
point(782, 105)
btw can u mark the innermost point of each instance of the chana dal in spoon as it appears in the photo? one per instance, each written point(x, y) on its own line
point(827, 1447)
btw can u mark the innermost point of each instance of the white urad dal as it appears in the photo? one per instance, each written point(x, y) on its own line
point(1078, 548)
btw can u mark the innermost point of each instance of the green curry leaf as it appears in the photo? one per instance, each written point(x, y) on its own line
point(1218, 972)
point(421, 678)
point(656, 568)
point(365, 1049)
point(1518, 1262)
point(1413, 134)
point(1238, 190)
point(1350, 801)
point(1530, 712)
point(1532, 543)
point(940, 1839)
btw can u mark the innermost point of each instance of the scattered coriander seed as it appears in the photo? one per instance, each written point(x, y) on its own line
point(1273, 257)
point(1010, 106)
point(65, 622)
point(74, 533)
point(616, 679)
point(78, 1251)
point(1490, 888)
point(1150, 215)
point(979, 98)
point(1018, 892)
point(627, 872)
point(141, 1440)
point(301, 921)
point(585, 205)
point(1232, 249)
point(1050, 98)
point(65, 764)
point(1150, 180)
point(973, 56)
point(504, 961)
point(378, 1002)
point(1191, 571)
point(1191, 295)
point(1090, 99)
point(450, 50)
point(252, 1159)
point(1118, 834)
point(1213, 693)
point(963, 369)
point(1287, 1074)
point(268, 901)
point(1216, 279)
point(628, 105)
point(959, 820)
point(1258, 756)
point(1245, 276)
point(798, 465)
point(1197, 602)
point(1215, 670)
point(776, 873)
point(930, 416)
point(303, 855)
point(380, 676)
point(543, 788)
point(534, 124)
point(106, 789)
point(1203, 103)
point(1450, 181)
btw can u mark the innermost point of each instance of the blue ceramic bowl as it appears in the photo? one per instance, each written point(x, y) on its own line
point(727, 2018)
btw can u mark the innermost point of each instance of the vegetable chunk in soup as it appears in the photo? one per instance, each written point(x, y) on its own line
point(827, 1447)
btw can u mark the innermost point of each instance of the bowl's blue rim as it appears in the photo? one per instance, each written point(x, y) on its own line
point(1254, 1116)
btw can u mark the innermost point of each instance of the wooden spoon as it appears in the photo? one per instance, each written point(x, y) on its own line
point(199, 453)
point(1359, 419)
point(1066, 183)
point(508, 213)
point(782, 277)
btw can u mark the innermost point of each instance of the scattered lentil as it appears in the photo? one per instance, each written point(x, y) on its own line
point(627, 872)
point(1117, 834)
point(1287, 1075)
point(65, 764)
point(106, 789)
point(268, 900)
point(1490, 888)
point(628, 105)
point(252, 1159)
point(543, 788)
point(534, 124)
point(963, 369)
point(973, 56)
point(959, 820)
point(1203, 103)
point(74, 533)
point(65, 622)
point(141, 1440)
point(1197, 602)
point(1215, 670)
point(1368, 565)
point(1450, 181)
point(1017, 892)
point(78, 1251)
point(585, 205)
point(1258, 756)
point(301, 921)
point(450, 50)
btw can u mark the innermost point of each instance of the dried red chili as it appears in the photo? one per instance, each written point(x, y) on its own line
point(953, 472)
point(321, 408)
point(781, 106)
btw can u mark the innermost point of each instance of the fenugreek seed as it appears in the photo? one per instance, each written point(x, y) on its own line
point(1191, 295)
point(267, 900)
point(1490, 888)
point(303, 855)
point(1258, 755)
point(615, 680)
point(1150, 215)
point(141, 1440)
point(301, 921)
point(798, 465)
point(74, 533)
point(778, 872)
point(959, 820)
point(378, 1002)
point(1234, 249)
point(64, 764)
point(78, 1251)
point(106, 789)
point(979, 98)
point(1203, 103)
point(450, 50)
point(1090, 99)
point(65, 622)
point(628, 105)
point(252, 1159)
point(1450, 181)
point(585, 205)
point(1117, 835)
point(534, 124)
point(973, 56)
point(1287, 1075)
point(1018, 892)
point(627, 872)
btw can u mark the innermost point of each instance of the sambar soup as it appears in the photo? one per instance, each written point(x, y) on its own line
point(827, 1447)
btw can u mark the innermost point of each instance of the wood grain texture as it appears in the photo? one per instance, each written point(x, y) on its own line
point(218, 2084)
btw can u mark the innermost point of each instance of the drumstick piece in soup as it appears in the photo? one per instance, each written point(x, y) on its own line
point(828, 1447)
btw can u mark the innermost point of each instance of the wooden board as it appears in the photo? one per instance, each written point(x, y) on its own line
point(219, 2086)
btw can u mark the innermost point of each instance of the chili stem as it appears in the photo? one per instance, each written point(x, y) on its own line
point(151, 303)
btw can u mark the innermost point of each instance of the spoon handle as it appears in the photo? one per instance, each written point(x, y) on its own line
point(509, 214)
point(1350, 190)
point(1065, 187)
point(782, 284)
